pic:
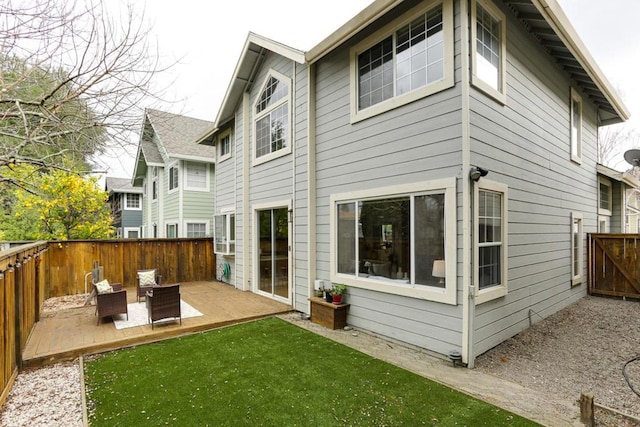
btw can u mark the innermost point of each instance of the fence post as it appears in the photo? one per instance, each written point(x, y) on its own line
point(587, 416)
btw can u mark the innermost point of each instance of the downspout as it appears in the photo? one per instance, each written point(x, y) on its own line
point(311, 180)
point(246, 237)
point(292, 257)
point(468, 305)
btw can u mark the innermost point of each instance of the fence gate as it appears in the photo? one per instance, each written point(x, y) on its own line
point(613, 265)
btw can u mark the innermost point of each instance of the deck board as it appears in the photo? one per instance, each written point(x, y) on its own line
point(67, 334)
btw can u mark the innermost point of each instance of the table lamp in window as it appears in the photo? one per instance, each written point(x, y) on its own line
point(439, 270)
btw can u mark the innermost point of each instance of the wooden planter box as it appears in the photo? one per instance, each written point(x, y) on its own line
point(329, 315)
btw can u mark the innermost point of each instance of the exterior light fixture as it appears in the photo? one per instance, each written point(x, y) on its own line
point(18, 263)
point(1, 274)
point(477, 172)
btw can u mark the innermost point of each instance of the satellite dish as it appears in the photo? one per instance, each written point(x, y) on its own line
point(632, 157)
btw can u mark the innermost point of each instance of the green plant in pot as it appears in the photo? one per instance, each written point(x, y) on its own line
point(337, 292)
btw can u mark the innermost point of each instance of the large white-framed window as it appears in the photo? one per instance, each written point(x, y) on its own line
point(197, 229)
point(272, 124)
point(576, 126)
point(408, 59)
point(172, 230)
point(196, 176)
point(224, 233)
point(488, 49)
point(174, 173)
point(400, 240)
point(224, 145)
point(604, 196)
point(490, 203)
point(577, 248)
point(133, 201)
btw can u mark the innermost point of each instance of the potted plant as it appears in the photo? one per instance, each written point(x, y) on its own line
point(337, 292)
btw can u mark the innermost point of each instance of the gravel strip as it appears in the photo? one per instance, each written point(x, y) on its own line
point(582, 348)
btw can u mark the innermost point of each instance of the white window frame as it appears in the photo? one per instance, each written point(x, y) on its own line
point(606, 183)
point(197, 222)
point(155, 188)
point(167, 226)
point(498, 93)
point(389, 30)
point(577, 277)
point(575, 129)
point(125, 232)
point(446, 295)
point(126, 202)
point(173, 167)
point(491, 293)
point(224, 156)
point(225, 216)
point(207, 173)
point(267, 111)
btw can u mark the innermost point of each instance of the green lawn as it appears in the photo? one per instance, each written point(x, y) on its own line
point(270, 373)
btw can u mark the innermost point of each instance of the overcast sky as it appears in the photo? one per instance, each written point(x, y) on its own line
point(206, 39)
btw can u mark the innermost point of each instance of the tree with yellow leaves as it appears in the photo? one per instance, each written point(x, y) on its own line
point(66, 206)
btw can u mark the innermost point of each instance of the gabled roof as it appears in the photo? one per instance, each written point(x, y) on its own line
point(165, 136)
point(120, 185)
point(253, 53)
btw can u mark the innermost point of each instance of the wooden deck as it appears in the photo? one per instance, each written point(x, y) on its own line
point(66, 334)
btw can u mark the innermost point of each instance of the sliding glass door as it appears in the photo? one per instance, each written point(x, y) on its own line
point(273, 252)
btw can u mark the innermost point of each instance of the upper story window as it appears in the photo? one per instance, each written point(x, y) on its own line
point(490, 201)
point(196, 176)
point(173, 177)
point(399, 240)
point(272, 119)
point(154, 184)
point(224, 146)
point(197, 229)
point(576, 126)
point(132, 201)
point(408, 59)
point(488, 54)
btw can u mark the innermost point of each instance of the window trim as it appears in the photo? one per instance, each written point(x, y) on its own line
point(606, 183)
point(577, 279)
point(173, 166)
point(126, 230)
point(575, 97)
point(224, 134)
point(207, 172)
point(166, 229)
point(126, 202)
point(494, 292)
point(225, 213)
point(198, 222)
point(256, 117)
point(499, 94)
point(446, 295)
point(408, 97)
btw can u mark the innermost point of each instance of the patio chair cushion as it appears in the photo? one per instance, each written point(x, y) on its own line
point(147, 278)
point(103, 287)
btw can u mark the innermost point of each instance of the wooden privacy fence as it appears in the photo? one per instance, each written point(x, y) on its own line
point(30, 273)
point(614, 265)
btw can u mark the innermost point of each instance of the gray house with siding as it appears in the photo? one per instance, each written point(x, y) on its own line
point(438, 157)
point(176, 176)
point(125, 202)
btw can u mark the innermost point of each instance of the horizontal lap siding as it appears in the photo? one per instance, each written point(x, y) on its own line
point(225, 190)
point(525, 145)
point(417, 142)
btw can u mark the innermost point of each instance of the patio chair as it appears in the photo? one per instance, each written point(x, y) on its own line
point(110, 303)
point(163, 302)
point(147, 279)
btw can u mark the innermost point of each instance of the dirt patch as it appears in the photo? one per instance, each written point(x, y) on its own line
point(582, 348)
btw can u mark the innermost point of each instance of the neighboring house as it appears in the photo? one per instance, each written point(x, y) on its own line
point(176, 175)
point(617, 201)
point(125, 201)
point(445, 172)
